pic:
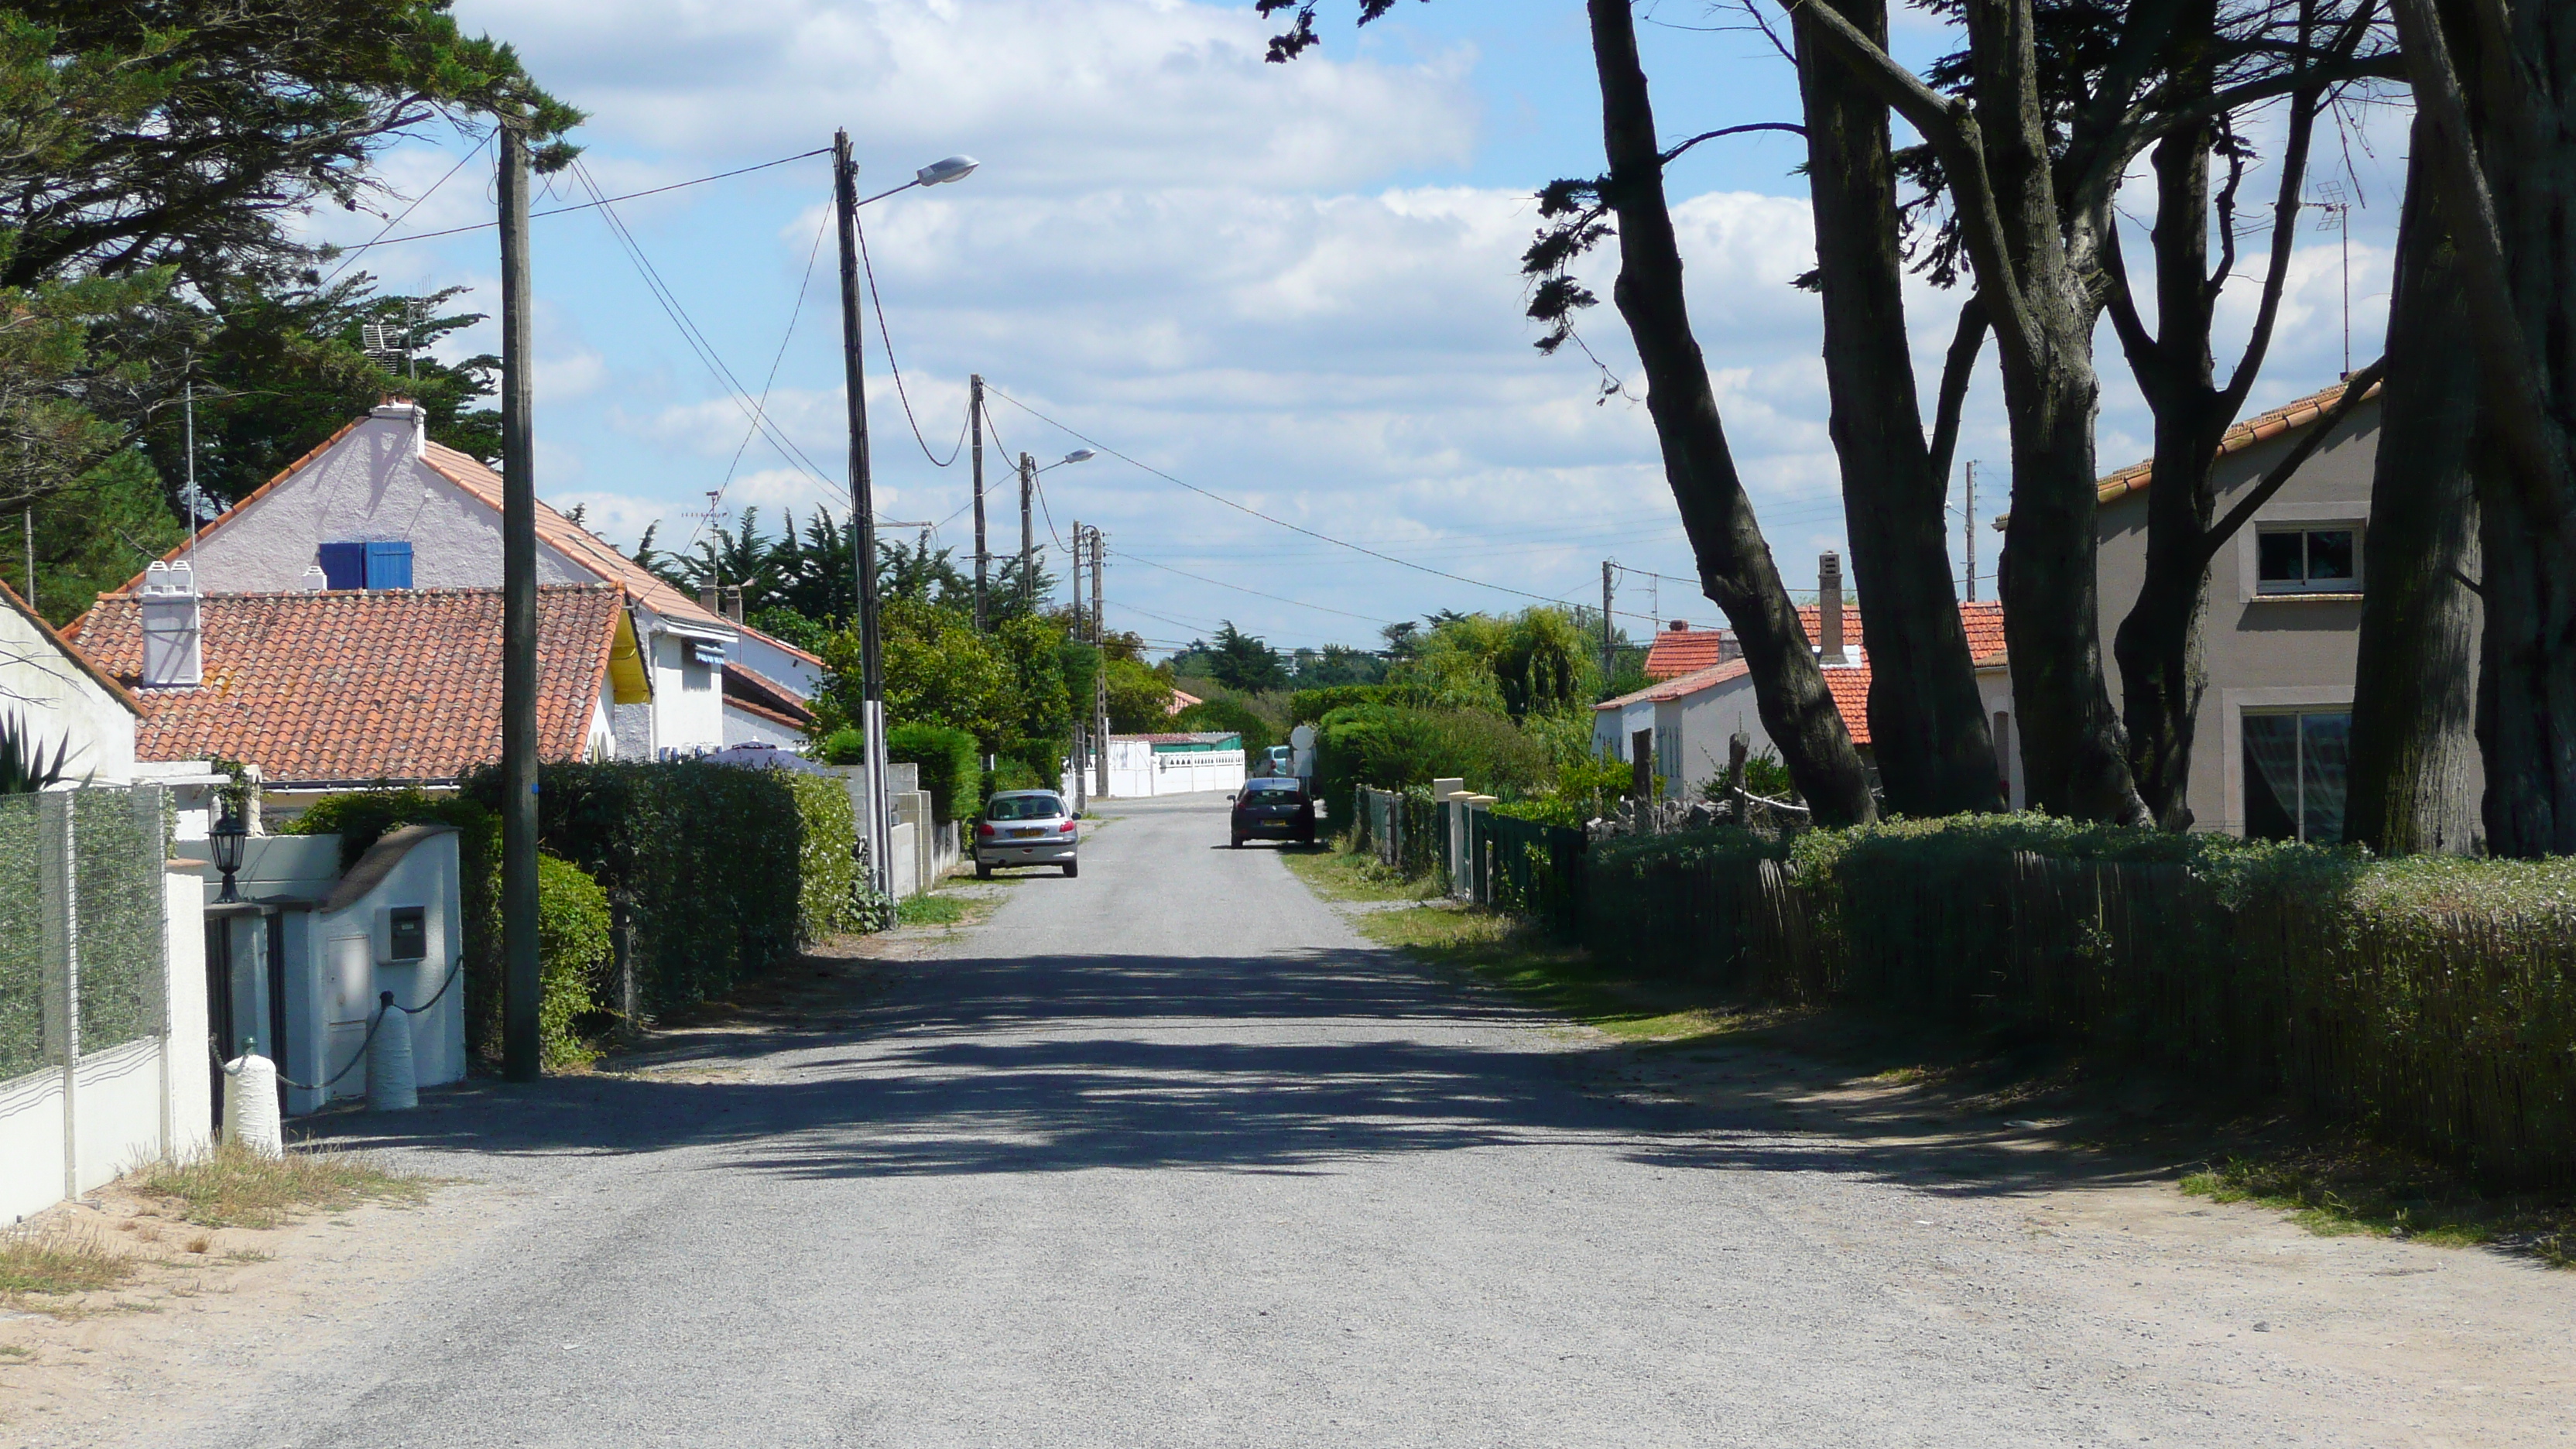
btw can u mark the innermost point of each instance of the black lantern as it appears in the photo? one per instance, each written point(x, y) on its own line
point(229, 837)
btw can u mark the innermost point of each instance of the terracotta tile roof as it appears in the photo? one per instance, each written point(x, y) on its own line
point(1849, 683)
point(2289, 417)
point(1677, 652)
point(1182, 699)
point(754, 691)
point(71, 651)
point(347, 685)
point(579, 544)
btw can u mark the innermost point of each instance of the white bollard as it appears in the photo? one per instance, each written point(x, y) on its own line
point(250, 1106)
point(392, 1085)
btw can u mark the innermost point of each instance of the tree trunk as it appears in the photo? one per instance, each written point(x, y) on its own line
point(1934, 750)
point(2414, 739)
point(2497, 91)
point(1736, 570)
point(2073, 748)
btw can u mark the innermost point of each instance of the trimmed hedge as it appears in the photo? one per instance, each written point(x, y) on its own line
point(572, 955)
point(2434, 998)
point(952, 764)
point(1391, 747)
point(827, 863)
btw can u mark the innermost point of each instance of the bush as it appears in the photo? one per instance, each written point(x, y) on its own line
point(1309, 706)
point(1012, 774)
point(1232, 716)
point(708, 857)
point(826, 854)
point(1392, 747)
point(572, 950)
point(843, 746)
point(951, 762)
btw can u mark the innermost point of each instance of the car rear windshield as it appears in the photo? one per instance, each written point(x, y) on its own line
point(1274, 786)
point(1023, 807)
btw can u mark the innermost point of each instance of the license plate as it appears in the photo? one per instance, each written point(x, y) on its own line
point(1025, 834)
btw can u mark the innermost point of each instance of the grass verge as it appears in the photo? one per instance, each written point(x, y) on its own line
point(929, 909)
point(233, 1188)
point(57, 1263)
point(1338, 873)
point(2350, 1185)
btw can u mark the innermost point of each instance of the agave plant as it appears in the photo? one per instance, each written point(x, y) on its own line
point(24, 770)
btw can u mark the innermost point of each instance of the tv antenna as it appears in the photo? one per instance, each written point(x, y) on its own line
point(2337, 206)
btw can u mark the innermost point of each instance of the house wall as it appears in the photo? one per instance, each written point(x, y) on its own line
point(2258, 650)
point(371, 486)
point(1707, 720)
point(742, 727)
point(56, 701)
point(761, 656)
point(427, 875)
point(688, 699)
point(1994, 688)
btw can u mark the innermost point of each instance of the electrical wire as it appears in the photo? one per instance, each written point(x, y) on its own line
point(1275, 598)
point(762, 407)
point(604, 200)
point(349, 259)
point(993, 391)
point(876, 300)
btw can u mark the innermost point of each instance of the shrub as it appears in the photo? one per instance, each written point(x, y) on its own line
point(1308, 706)
point(1391, 747)
point(1229, 715)
point(826, 854)
point(844, 746)
point(1014, 774)
point(952, 768)
point(572, 948)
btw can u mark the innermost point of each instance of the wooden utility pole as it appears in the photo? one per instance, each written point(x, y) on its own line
point(863, 515)
point(520, 1048)
point(1100, 676)
point(1606, 670)
point(1028, 539)
point(975, 425)
point(1971, 530)
point(1081, 757)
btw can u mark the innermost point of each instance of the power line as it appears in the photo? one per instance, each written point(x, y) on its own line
point(601, 201)
point(1264, 517)
point(350, 259)
point(795, 312)
point(877, 301)
point(1275, 598)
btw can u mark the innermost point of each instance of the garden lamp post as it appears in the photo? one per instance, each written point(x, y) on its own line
point(845, 195)
point(228, 837)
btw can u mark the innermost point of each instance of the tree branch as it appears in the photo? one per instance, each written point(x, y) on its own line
point(1956, 370)
point(2237, 517)
point(2285, 216)
point(1669, 156)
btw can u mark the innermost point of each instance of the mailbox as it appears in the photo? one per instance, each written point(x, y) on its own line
point(405, 935)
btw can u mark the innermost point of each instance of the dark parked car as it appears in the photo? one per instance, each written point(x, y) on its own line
point(1275, 805)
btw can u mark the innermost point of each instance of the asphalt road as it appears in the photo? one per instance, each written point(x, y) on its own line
point(1167, 1155)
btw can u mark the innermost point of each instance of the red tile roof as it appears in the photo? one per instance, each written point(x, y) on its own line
point(749, 689)
point(1849, 683)
point(2289, 417)
point(347, 685)
point(1677, 652)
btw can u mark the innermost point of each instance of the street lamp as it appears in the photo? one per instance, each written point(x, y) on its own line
point(229, 837)
point(845, 196)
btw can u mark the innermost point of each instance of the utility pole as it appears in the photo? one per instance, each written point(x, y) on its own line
point(1606, 670)
point(1028, 540)
point(27, 523)
point(975, 425)
point(1081, 757)
point(863, 516)
point(520, 1055)
point(1100, 676)
point(1971, 530)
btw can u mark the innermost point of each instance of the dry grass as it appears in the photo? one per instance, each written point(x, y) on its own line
point(56, 1263)
point(231, 1188)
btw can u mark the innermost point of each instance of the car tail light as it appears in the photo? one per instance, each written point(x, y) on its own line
point(984, 829)
point(1066, 827)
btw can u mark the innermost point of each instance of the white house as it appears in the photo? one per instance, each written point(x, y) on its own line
point(55, 697)
point(377, 506)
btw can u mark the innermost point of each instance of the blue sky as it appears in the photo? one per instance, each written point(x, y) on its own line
point(1292, 285)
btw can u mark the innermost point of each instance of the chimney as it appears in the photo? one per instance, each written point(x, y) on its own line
point(709, 600)
point(173, 648)
point(733, 603)
point(1829, 609)
point(404, 410)
point(1680, 626)
point(315, 581)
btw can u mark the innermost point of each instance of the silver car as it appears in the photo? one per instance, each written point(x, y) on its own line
point(1026, 827)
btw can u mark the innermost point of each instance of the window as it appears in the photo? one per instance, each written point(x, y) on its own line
point(2307, 560)
point(2294, 775)
point(365, 565)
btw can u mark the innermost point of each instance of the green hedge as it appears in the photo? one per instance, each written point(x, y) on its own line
point(828, 883)
point(1392, 747)
point(952, 765)
point(1308, 706)
point(1232, 716)
point(572, 957)
point(2435, 998)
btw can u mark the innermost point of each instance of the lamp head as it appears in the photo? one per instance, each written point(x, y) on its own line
point(940, 173)
point(1080, 455)
point(228, 837)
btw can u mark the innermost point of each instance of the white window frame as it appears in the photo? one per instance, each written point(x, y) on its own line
point(2302, 518)
point(2234, 705)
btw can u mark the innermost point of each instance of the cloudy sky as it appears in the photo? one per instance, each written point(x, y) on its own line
point(1295, 286)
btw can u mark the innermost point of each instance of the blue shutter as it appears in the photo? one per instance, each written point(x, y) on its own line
point(344, 565)
point(389, 565)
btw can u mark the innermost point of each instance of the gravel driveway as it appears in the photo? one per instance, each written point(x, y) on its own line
point(1167, 1155)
